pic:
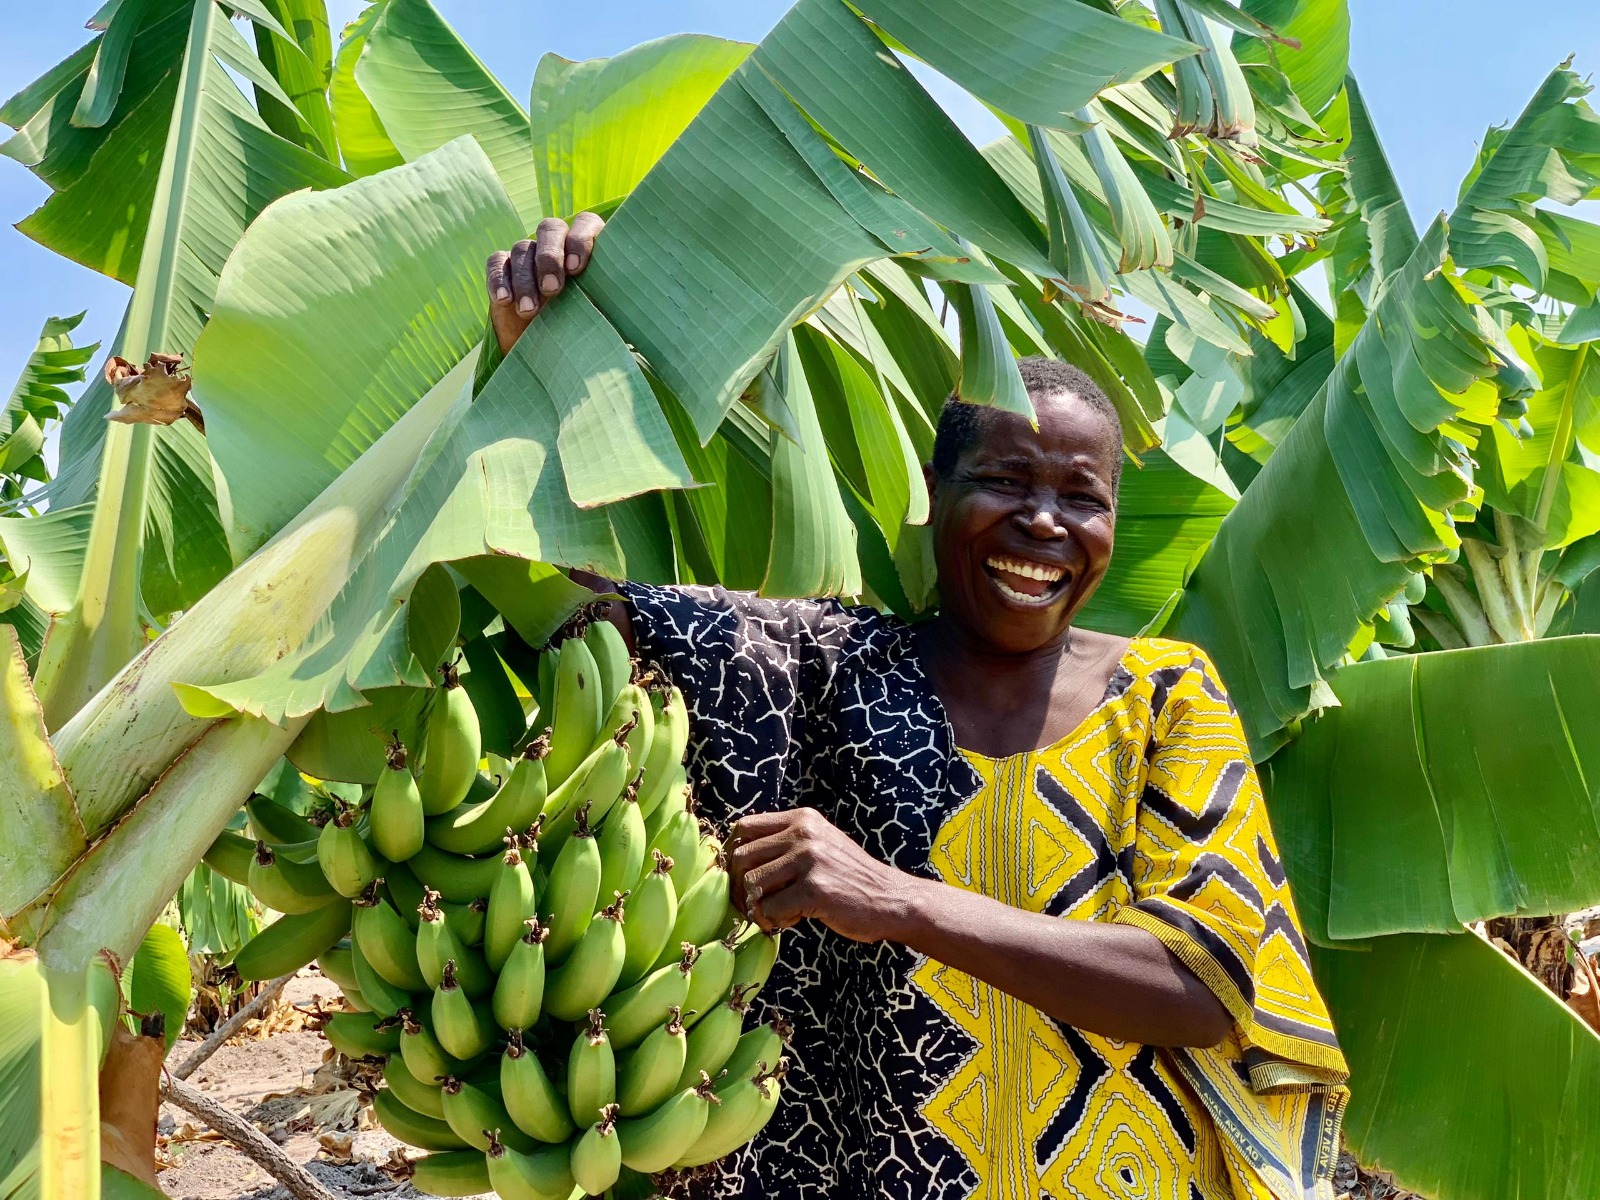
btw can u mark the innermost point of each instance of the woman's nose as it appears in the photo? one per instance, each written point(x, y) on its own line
point(1040, 521)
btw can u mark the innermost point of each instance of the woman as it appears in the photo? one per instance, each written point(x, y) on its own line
point(1039, 941)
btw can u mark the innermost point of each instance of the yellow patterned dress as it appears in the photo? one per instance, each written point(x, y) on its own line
point(1148, 814)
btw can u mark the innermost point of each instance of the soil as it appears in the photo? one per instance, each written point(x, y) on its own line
point(291, 1086)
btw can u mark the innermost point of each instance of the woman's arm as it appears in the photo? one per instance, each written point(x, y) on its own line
point(1114, 980)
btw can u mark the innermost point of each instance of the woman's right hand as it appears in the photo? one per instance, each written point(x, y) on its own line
point(522, 280)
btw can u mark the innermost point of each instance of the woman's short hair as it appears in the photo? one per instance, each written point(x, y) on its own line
point(962, 424)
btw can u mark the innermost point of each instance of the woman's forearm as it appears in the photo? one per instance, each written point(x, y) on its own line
point(1114, 980)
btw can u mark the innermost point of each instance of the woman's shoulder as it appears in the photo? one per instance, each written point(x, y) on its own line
point(1168, 667)
point(827, 621)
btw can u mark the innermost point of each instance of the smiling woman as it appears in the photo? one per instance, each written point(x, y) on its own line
point(1040, 943)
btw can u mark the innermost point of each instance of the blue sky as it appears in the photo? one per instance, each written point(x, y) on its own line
point(1436, 73)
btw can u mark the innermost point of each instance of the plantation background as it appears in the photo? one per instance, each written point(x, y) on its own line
point(1435, 73)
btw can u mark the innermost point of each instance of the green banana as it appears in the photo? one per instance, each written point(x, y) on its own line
point(597, 1155)
point(648, 1074)
point(420, 1097)
point(519, 991)
point(358, 1035)
point(591, 971)
point(386, 941)
point(631, 705)
point(596, 785)
point(338, 964)
point(230, 856)
point(354, 998)
point(701, 910)
point(611, 659)
point(754, 958)
point(546, 1174)
point(679, 840)
point(458, 879)
point(707, 851)
point(396, 808)
point(451, 1173)
point(761, 1045)
point(377, 993)
point(578, 709)
point(404, 889)
point(344, 856)
point(291, 942)
point(533, 1102)
point(480, 828)
point(474, 1112)
point(670, 740)
point(468, 920)
point(567, 906)
point(622, 845)
point(746, 1107)
point(544, 692)
point(276, 824)
point(674, 802)
point(453, 747)
point(714, 1038)
point(425, 1133)
point(288, 887)
point(464, 1028)
point(591, 1072)
point(438, 944)
point(512, 900)
point(652, 913)
point(713, 976)
point(425, 1058)
point(639, 1009)
point(655, 1141)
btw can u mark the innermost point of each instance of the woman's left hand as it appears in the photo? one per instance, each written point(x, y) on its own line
point(785, 866)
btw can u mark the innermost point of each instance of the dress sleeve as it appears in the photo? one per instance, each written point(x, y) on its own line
point(1208, 881)
point(754, 673)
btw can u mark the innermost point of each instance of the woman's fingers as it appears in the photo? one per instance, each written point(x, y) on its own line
point(508, 323)
point(550, 255)
point(524, 288)
point(522, 280)
point(586, 227)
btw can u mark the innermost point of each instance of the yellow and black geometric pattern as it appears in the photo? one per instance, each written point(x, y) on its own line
point(1149, 814)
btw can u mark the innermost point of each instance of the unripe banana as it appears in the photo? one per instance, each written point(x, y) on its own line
point(468, 920)
point(344, 856)
point(377, 993)
point(622, 845)
point(591, 971)
point(531, 1099)
point(454, 745)
point(451, 1173)
point(473, 1114)
point(230, 856)
point(761, 1046)
point(579, 709)
point(632, 708)
point(424, 1098)
point(591, 1072)
point(649, 1074)
point(425, 1133)
point(519, 992)
point(425, 1058)
point(701, 909)
point(288, 887)
point(464, 1028)
point(546, 1174)
point(597, 1155)
point(359, 1035)
point(753, 959)
point(290, 942)
point(707, 849)
point(611, 660)
point(338, 964)
point(386, 941)
point(654, 1142)
point(354, 998)
point(644, 1006)
point(595, 785)
point(667, 744)
point(458, 879)
point(480, 828)
point(567, 906)
point(404, 890)
point(746, 1107)
point(652, 913)
point(714, 1038)
point(679, 840)
point(713, 976)
point(674, 802)
point(512, 901)
point(544, 692)
point(396, 808)
point(438, 944)
point(276, 824)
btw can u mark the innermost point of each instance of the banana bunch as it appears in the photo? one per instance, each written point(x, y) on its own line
point(543, 953)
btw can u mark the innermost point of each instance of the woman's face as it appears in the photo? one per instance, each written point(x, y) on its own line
point(1023, 526)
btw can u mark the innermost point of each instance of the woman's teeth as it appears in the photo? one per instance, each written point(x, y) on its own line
point(1038, 579)
point(1028, 570)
